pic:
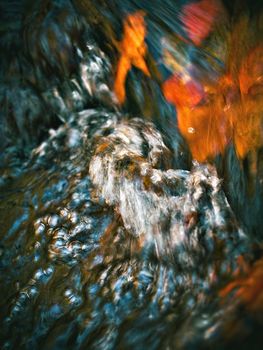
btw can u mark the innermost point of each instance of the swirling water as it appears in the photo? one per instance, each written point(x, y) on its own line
point(111, 237)
point(72, 274)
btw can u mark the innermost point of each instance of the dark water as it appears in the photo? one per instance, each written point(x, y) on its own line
point(76, 274)
point(111, 236)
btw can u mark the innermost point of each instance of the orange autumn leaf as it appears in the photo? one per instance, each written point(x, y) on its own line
point(132, 51)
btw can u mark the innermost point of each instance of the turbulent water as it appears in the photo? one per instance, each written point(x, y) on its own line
point(115, 233)
point(78, 274)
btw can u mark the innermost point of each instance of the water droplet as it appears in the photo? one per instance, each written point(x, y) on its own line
point(53, 221)
point(191, 130)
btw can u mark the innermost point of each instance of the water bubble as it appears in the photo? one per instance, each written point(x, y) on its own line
point(44, 275)
point(49, 270)
point(73, 299)
point(39, 228)
point(53, 221)
point(55, 311)
point(85, 247)
point(64, 213)
point(68, 293)
point(33, 291)
point(73, 138)
point(38, 274)
point(73, 217)
point(78, 229)
point(98, 260)
point(37, 245)
point(59, 243)
point(191, 130)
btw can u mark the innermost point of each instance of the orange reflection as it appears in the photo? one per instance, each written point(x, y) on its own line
point(132, 51)
point(181, 93)
point(210, 116)
point(201, 117)
point(248, 126)
point(250, 288)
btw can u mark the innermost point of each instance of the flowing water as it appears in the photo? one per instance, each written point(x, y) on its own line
point(115, 233)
